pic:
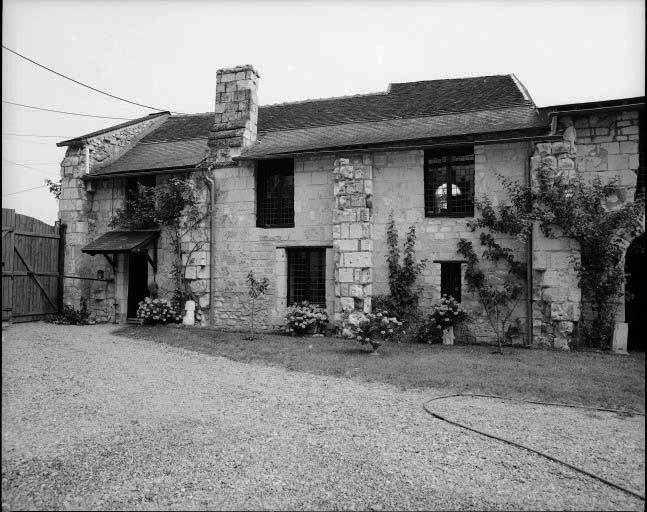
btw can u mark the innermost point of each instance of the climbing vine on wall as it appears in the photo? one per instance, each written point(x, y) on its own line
point(174, 206)
point(577, 209)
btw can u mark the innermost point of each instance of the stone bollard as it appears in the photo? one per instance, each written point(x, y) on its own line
point(448, 336)
point(189, 316)
point(619, 343)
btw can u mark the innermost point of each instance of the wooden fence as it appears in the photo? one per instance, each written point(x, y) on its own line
point(32, 267)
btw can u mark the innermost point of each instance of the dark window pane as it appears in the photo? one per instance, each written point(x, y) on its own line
point(449, 182)
point(450, 279)
point(275, 193)
point(307, 276)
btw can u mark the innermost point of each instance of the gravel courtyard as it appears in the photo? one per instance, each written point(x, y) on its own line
point(91, 420)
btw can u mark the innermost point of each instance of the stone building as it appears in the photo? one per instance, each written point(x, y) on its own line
point(301, 193)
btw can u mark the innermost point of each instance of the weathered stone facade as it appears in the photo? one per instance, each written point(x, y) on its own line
point(342, 203)
point(352, 234)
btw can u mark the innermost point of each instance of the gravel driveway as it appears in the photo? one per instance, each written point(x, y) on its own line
point(94, 421)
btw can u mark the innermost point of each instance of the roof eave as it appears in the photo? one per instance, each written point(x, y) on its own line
point(140, 172)
point(518, 134)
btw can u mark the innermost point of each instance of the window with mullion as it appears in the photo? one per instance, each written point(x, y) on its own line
point(449, 183)
point(275, 193)
point(307, 276)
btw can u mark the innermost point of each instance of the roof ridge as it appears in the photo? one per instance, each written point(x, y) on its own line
point(446, 79)
point(311, 100)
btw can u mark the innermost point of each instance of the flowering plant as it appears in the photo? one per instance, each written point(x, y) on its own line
point(155, 311)
point(303, 317)
point(374, 327)
point(447, 313)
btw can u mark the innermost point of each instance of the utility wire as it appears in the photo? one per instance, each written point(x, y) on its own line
point(68, 113)
point(83, 84)
point(36, 135)
point(44, 173)
point(24, 190)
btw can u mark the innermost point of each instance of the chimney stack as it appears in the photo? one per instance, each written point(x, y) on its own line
point(236, 114)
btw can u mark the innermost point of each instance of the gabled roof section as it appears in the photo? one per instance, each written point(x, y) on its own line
point(401, 101)
point(406, 111)
point(81, 138)
point(284, 142)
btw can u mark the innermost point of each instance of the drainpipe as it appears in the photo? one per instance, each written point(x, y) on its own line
point(212, 253)
point(529, 250)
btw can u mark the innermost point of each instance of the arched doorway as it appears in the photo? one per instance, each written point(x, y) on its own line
point(635, 303)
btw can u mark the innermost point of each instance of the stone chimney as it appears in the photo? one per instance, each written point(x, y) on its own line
point(236, 114)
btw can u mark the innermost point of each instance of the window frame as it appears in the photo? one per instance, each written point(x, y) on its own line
point(307, 284)
point(454, 276)
point(264, 170)
point(431, 185)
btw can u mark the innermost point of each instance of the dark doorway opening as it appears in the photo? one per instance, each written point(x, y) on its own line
point(635, 303)
point(137, 281)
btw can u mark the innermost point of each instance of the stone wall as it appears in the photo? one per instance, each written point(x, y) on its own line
point(352, 234)
point(398, 185)
point(86, 214)
point(556, 294)
point(606, 147)
point(240, 246)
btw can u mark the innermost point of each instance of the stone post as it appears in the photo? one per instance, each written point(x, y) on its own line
point(352, 236)
point(557, 297)
point(236, 114)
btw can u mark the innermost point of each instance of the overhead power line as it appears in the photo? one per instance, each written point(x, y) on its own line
point(83, 84)
point(36, 135)
point(64, 112)
point(44, 173)
point(24, 190)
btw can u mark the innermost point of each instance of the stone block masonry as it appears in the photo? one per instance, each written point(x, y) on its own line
point(352, 234)
point(236, 114)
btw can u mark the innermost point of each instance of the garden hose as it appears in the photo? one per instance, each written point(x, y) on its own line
point(550, 457)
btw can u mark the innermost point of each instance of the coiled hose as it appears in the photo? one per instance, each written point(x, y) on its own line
point(512, 443)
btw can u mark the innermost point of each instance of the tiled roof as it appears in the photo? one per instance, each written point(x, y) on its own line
point(405, 100)
point(406, 111)
point(121, 241)
point(158, 155)
point(394, 130)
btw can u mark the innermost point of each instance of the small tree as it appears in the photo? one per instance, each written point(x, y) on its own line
point(499, 299)
point(256, 289)
point(402, 276)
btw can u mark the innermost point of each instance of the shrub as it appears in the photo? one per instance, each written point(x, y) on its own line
point(374, 328)
point(447, 313)
point(426, 331)
point(157, 311)
point(71, 316)
point(305, 317)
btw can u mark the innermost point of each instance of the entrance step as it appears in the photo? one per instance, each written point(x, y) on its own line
point(136, 321)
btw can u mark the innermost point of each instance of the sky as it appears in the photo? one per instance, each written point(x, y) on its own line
point(165, 55)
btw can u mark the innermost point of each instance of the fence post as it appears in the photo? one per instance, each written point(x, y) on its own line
point(61, 265)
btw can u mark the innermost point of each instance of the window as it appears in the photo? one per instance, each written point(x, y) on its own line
point(275, 194)
point(450, 279)
point(133, 183)
point(449, 182)
point(307, 276)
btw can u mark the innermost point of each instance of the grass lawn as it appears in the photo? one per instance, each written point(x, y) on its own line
point(584, 378)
